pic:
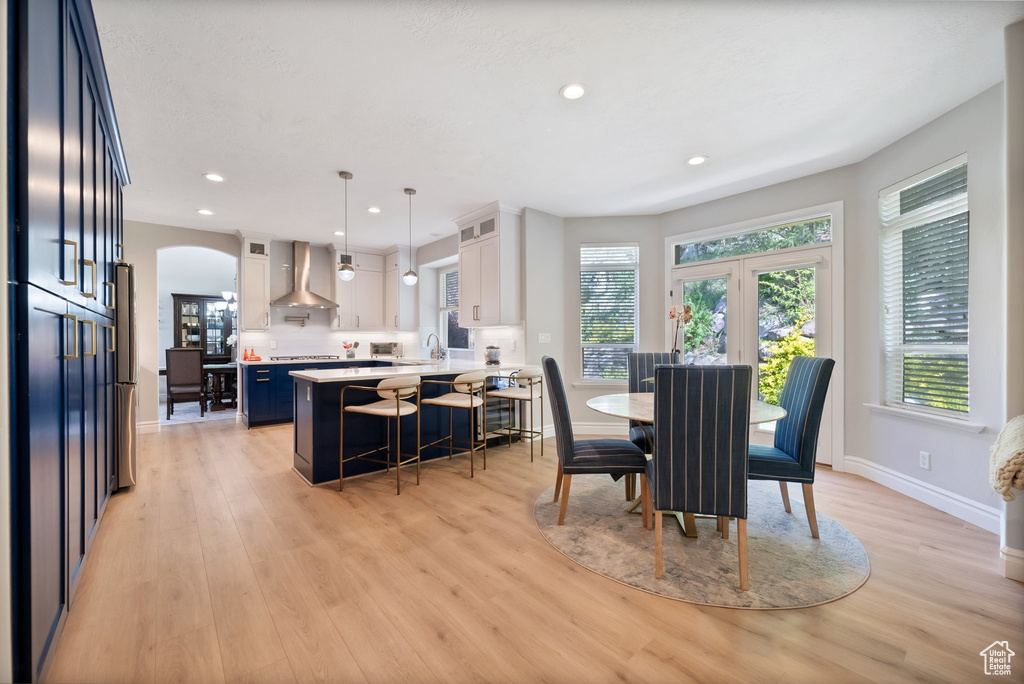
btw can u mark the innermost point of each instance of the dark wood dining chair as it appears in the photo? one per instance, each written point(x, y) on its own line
point(185, 378)
point(795, 453)
point(701, 435)
point(615, 457)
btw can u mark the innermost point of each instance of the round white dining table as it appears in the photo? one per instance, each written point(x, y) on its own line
point(639, 406)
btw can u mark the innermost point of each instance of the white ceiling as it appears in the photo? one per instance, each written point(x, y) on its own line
point(459, 100)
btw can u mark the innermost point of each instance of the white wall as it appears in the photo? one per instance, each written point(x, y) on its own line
point(959, 458)
point(1012, 532)
point(142, 242)
point(882, 447)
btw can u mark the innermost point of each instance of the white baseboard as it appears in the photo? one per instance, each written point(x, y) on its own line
point(617, 429)
point(148, 427)
point(1013, 563)
point(985, 517)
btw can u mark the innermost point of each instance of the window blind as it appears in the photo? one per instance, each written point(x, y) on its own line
point(608, 308)
point(924, 287)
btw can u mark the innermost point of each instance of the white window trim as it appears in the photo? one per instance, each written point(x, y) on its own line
point(443, 310)
point(635, 268)
point(837, 387)
point(928, 414)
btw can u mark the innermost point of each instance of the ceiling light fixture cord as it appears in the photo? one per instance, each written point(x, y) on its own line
point(410, 277)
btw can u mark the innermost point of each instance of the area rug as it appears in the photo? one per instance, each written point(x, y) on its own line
point(788, 568)
point(189, 413)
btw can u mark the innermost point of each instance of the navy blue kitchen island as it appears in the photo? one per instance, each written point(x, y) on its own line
point(316, 407)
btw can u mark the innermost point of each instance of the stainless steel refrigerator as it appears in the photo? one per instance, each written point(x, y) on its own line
point(126, 374)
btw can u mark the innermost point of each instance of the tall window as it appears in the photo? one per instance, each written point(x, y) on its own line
point(924, 259)
point(608, 308)
point(453, 336)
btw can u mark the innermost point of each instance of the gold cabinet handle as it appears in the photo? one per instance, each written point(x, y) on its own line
point(68, 357)
point(92, 267)
point(113, 338)
point(263, 380)
point(74, 261)
point(113, 293)
point(92, 325)
point(357, 321)
point(120, 248)
point(267, 313)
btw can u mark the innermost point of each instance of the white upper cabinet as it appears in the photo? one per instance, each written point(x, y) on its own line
point(254, 297)
point(400, 300)
point(361, 300)
point(489, 267)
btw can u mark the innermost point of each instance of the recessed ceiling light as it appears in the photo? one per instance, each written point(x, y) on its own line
point(204, 212)
point(572, 91)
point(215, 177)
point(339, 232)
point(374, 210)
point(697, 160)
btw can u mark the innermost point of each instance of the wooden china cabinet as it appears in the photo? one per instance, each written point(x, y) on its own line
point(203, 321)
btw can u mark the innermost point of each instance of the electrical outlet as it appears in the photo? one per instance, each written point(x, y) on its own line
point(924, 459)
point(543, 338)
point(273, 344)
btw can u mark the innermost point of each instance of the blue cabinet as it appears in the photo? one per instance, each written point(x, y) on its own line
point(66, 190)
point(267, 392)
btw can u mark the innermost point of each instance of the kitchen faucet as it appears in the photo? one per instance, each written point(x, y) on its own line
point(435, 353)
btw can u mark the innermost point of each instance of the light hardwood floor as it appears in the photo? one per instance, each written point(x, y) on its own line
point(222, 565)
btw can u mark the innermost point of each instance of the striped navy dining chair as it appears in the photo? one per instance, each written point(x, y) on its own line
point(795, 452)
point(640, 366)
point(699, 465)
point(615, 457)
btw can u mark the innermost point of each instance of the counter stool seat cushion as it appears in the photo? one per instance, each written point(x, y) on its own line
point(188, 389)
point(384, 407)
point(768, 463)
point(606, 456)
point(455, 400)
point(643, 437)
point(516, 393)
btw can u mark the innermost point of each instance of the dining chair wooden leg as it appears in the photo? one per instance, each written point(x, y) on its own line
point(657, 545)
point(645, 501)
point(558, 482)
point(812, 518)
point(630, 486)
point(689, 525)
point(721, 519)
point(726, 522)
point(785, 496)
point(741, 542)
point(566, 482)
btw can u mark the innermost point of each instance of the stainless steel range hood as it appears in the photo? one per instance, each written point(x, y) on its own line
point(301, 296)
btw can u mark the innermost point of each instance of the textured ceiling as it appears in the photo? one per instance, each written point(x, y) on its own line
point(459, 100)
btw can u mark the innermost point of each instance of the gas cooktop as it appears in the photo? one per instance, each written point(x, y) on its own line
point(317, 357)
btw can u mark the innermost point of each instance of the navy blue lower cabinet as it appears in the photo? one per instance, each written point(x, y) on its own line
point(317, 428)
point(258, 396)
point(39, 468)
point(267, 392)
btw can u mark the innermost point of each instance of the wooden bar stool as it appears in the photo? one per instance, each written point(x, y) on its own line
point(464, 396)
point(393, 392)
point(528, 384)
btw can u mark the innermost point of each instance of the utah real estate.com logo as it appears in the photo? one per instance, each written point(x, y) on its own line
point(997, 658)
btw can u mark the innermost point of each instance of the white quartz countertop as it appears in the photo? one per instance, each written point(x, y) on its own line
point(422, 368)
point(386, 359)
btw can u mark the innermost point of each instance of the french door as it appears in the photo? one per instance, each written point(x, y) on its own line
point(761, 310)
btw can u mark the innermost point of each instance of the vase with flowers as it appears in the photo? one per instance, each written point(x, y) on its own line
point(681, 317)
